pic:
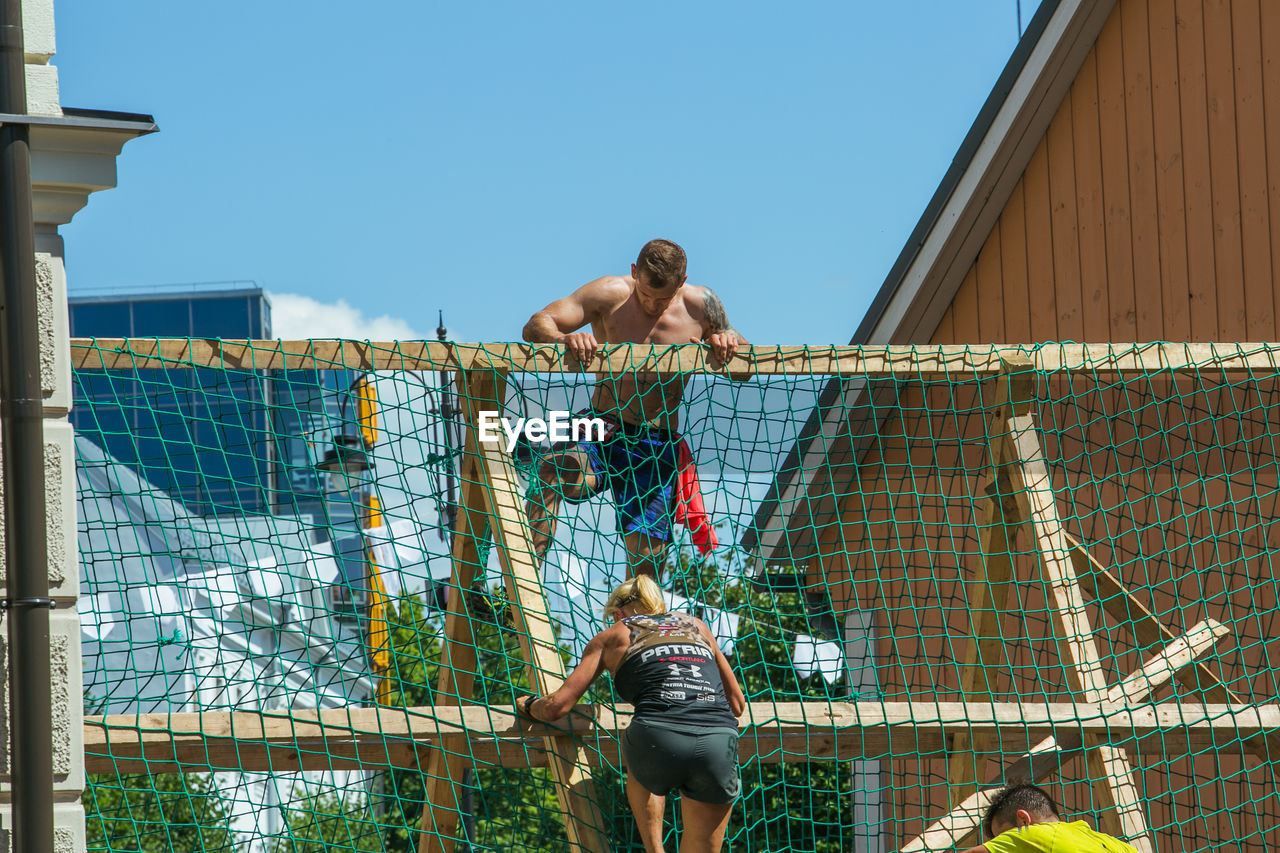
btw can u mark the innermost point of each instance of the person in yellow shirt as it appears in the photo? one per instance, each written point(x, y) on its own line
point(1024, 819)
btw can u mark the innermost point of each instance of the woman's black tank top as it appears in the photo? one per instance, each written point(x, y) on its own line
point(669, 673)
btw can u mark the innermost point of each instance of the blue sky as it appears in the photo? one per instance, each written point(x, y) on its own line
point(483, 158)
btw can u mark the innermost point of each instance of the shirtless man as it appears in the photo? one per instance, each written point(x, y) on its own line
point(639, 458)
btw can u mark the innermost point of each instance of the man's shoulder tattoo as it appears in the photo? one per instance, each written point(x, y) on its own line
point(716, 318)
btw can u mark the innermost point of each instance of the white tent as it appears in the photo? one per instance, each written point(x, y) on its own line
point(188, 613)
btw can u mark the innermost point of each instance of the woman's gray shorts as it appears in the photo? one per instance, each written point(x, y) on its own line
point(700, 762)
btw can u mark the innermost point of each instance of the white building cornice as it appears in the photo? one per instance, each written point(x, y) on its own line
point(73, 155)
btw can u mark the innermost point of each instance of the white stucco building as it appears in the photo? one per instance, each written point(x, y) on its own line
point(73, 154)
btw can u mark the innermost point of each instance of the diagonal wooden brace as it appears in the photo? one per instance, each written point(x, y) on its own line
point(568, 760)
point(959, 828)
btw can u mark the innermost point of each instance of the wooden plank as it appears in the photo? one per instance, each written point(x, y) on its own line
point(964, 308)
point(1255, 216)
point(959, 827)
point(1091, 215)
point(1052, 754)
point(1102, 586)
point(1170, 211)
point(1114, 781)
point(1110, 771)
point(989, 304)
point(1139, 128)
point(1192, 100)
point(954, 830)
point(455, 681)
point(1068, 324)
point(949, 362)
point(569, 762)
point(1040, 271)
point(1224, 175)
point(774, 732)
point(1163, 667)
point(1113, 139)
point(1013, 271)
point(1269, 31)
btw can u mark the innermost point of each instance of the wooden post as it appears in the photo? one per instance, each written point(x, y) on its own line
point(988, 592)
point(568, 760)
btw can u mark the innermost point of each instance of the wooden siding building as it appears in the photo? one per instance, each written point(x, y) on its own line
point(1119, 185)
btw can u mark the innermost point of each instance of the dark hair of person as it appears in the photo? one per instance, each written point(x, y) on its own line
point(1007, 802)
point(663, 263)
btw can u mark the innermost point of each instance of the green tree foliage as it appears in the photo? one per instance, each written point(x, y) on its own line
point(156, 814)
point(328, 823)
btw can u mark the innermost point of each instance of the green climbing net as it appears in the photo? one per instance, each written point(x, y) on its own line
point(231, 561)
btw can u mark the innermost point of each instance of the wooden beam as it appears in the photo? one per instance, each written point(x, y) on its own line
point(1109, 770)
point(569, 761)
point(446, 763)
point(926, 362)
point(788, 732)
point(1165, 666)
point(1100, 584)
point(959, 827)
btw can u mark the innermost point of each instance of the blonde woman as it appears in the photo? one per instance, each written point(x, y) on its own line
point(684, 735)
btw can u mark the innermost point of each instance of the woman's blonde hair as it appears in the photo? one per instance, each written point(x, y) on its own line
point(641, 591)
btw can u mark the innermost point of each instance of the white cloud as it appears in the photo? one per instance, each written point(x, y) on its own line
point(296, 317)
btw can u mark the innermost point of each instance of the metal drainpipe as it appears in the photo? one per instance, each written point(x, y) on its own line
point(22, 434)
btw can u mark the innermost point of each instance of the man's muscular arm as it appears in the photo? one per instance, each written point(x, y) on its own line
point(559, 322)
point(716, 329)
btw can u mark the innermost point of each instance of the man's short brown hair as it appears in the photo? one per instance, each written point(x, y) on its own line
point(663, 264)
point(1008, 801)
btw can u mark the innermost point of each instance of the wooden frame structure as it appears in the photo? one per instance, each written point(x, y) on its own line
point(1020, 494)
point(452, 734)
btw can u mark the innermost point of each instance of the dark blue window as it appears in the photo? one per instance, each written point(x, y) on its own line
point(162, 318)
point(100, 320)
point(228, 317)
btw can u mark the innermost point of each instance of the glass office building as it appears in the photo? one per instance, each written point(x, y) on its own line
point(201, 436)
point(219, 441)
